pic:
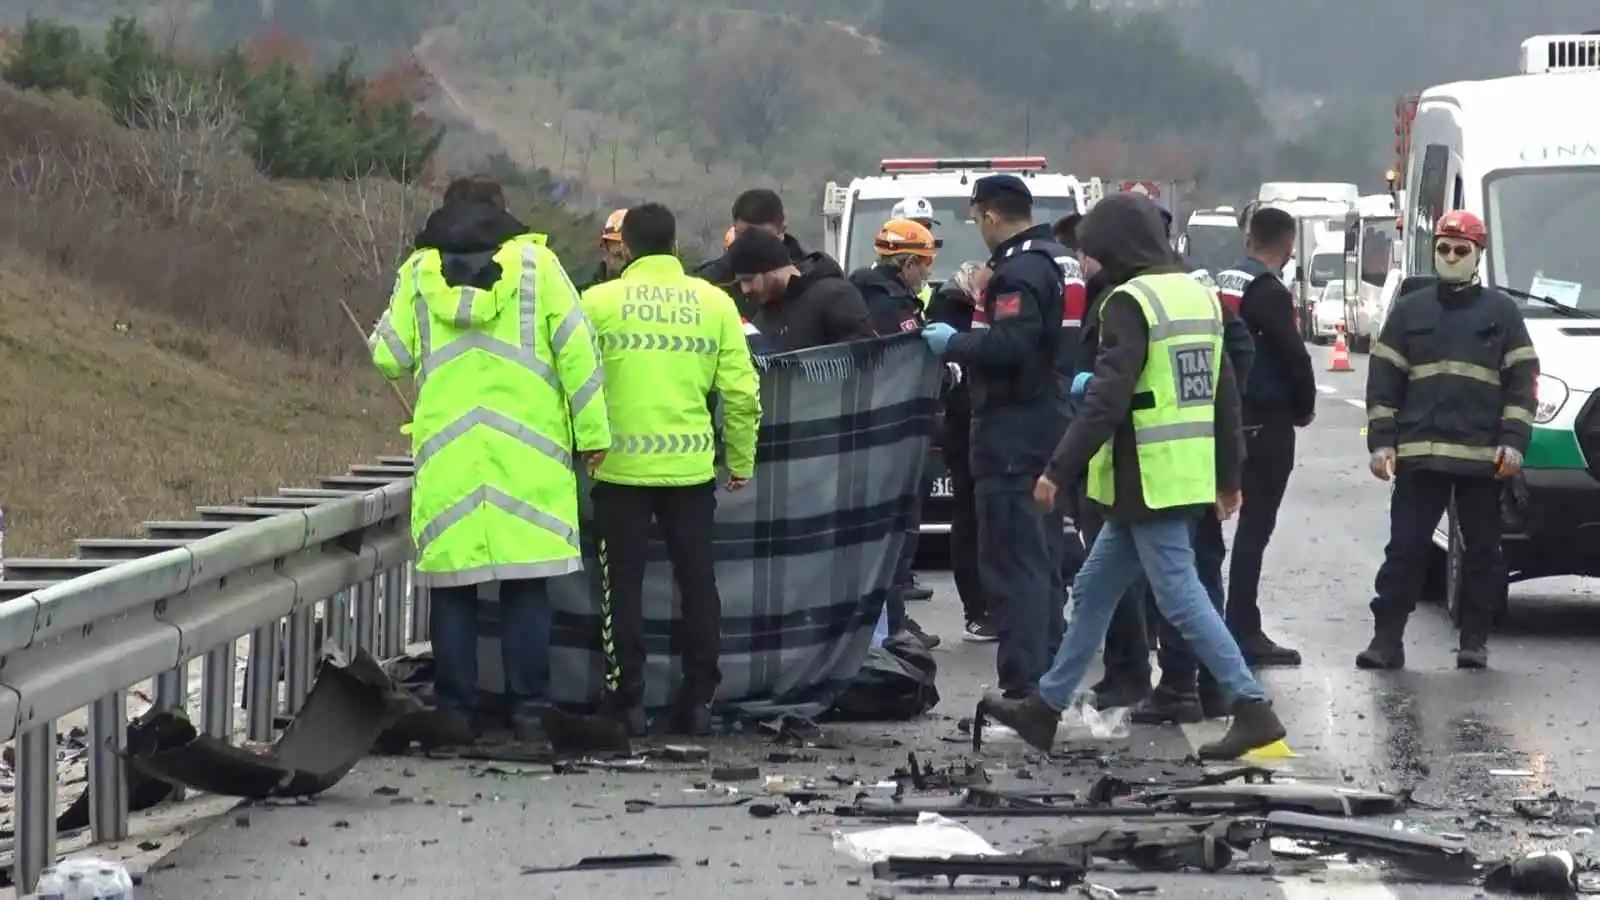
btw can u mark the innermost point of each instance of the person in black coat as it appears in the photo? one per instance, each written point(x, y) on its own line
point(801, 304)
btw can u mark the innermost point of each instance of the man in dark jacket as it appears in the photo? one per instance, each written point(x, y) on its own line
point(612, 257)
point(1158, 433)
point(1187, 692)
point(759, 208)
point(891, 288)
point(1017, 361)
point(953, 305)
point(1450, 406)
point(1280, 396)
point(799, 304)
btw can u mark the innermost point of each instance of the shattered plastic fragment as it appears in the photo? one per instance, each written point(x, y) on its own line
point(933, 837)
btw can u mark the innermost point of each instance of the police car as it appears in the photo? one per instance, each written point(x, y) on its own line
point(938, 189)
point(1518, 153)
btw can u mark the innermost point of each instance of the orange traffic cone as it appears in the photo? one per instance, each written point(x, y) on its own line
point(1341, 352)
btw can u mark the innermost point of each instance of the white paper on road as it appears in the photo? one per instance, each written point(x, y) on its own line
point(933, 837)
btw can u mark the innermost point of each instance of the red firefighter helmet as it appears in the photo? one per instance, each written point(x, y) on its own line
point(1462, 225)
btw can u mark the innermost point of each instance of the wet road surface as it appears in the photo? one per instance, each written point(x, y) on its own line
point(457, 830)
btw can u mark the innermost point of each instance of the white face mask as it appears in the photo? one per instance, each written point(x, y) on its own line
point(1455, 269)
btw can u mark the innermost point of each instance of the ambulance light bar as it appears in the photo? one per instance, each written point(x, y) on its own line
point(987, 164)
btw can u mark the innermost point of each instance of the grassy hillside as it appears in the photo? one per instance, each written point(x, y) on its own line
point(170, 325)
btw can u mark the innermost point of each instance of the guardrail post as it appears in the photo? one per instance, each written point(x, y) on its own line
point(421, 607)
point(34, 815)
point(394, 613)
point(366, 617)
point(172, 689)
point(336, 621)
point(263, 701)
point(108, 778)
point(299, 658)
point(216, 691)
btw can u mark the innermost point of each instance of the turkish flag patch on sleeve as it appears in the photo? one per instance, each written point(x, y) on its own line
point(1008, 306)
point(909, 325)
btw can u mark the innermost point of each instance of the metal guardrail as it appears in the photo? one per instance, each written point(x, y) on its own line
point(81, 632)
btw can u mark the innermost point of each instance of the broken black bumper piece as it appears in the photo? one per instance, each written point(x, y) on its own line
point(1047, 874)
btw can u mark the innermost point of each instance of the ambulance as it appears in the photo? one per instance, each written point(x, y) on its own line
point(852, 214)
point(1523, 153)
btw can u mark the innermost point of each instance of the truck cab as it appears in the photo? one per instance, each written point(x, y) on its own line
point(1518, 152)
point(1212, 238)
point(853, 213)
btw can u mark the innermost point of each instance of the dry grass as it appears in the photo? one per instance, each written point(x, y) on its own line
point(106, 426)
point(169, 327)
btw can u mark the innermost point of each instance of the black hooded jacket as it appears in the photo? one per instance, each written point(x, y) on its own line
point(467, 236)
point(819, 307)
point(1123, 232)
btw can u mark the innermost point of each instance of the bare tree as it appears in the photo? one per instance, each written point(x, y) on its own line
point(187, 133)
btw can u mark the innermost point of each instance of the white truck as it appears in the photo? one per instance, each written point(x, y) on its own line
point(1323, 210)
point(1212, 238)
point(852, 213)
point(1521, 153)
point(1371, 253)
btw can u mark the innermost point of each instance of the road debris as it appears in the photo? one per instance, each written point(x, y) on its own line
point(608, 863)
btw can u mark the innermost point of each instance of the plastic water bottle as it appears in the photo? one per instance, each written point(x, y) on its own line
point(86, 879)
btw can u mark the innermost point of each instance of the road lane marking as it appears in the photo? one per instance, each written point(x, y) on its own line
point(1327, 389)
point(1358, 404)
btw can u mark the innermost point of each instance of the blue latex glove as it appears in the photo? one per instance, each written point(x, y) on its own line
point(1080, 384)
point(938, 336)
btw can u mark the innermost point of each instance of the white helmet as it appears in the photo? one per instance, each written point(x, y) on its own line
point(917, 209)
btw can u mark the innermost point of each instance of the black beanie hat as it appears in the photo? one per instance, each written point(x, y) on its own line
point(757, 252)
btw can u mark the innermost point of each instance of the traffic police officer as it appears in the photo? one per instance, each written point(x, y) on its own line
point(1450, 404)
point(1159, 435)
point(668, 340)
point(1017, 360)
point(509, 387)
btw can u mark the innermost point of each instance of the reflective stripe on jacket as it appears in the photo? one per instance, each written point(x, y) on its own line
point(668, 341)
point(1174, 402)
point(506, 378)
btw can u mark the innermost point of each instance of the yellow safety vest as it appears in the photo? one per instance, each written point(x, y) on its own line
point(1174, 416)
point(669, 340)
point(507, 378)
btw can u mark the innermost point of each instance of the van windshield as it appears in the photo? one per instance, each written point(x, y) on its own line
point(1541, 236)
point(962, 242)
point(1217, 247)
point(1326, 267)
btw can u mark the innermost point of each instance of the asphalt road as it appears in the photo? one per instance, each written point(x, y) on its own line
point(462, 830)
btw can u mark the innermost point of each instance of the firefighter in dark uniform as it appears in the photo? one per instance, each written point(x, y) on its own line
point(1018, 362)
point(1450, 404)
point(1280, 395)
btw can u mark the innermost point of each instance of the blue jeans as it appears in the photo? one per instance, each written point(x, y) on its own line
point(1163, 550)
point(524, 646)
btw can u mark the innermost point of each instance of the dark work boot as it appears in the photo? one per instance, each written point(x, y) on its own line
point(1474, 646)
point(1030, 717)
point(1254, 725)
point(928, 640)
point(1262, 652)
point(691, 718)
point(449, 729)
point(913, 590)
point(1167, 706)
point(1388, 647)
point(629, 714)
point(527, 730)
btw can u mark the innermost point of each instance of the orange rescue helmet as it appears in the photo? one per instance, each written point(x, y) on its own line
point(728, 236)
point(903, 236)
point(611, 232)
point(1462, 225)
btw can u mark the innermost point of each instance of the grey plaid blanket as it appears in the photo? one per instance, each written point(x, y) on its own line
point(804, 554)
